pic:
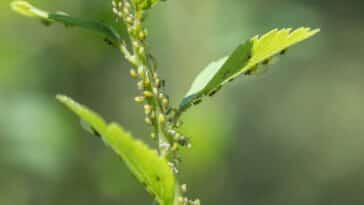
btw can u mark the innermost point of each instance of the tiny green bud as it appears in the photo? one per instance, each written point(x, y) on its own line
point(161, 96)
point(130, 30)
point(146, 83)
point(152, 115)
point(115, 11)
point(155, 91)
point(126, 10)
point(140, 85)
point(181, 200)
point(133, 73)
point(136, 44)
point(126, 5)
point(139, 99)
point(148, 121)
point(141, 50)
point(158, 83)
point(174, 147)
point(141, 72)
point(148, 94)
point(142, 35)
point(148, 109)
point(161, 118)
point(165, 103)
point(197, 202)
point(184, 188)
point(171, 133)
point(129, 20)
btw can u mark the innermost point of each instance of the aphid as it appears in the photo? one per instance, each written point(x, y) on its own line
point(284, 51)
point(158, 178)
point(171, 132)
point(169, 111)
point(89, 128)
point(226, 74)
point(196, 102)
point(267, 61)
point(231, 79)
point(183, 141)
point(179, 123)
point(214, 91)
point(250, 56)
point(46, 22)
point(251, 70)
point(160, 83)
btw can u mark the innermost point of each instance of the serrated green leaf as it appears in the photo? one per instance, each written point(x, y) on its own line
point(244, 60)
point(147, 166)
point(26, 9)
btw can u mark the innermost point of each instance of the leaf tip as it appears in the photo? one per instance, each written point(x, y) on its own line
point(26, 9)
point(62, 98)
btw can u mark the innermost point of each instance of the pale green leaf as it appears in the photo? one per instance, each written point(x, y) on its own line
point(26, 9)
point(148, 167)
point(244, 60)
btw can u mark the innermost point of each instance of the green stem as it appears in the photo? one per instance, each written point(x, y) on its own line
point(147, 74)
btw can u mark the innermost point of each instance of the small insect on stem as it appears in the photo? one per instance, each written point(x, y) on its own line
point(252, 70)
point(214, 91)
point(196, 102)
point(267, 61)
point(89, 128)
point(284, 51)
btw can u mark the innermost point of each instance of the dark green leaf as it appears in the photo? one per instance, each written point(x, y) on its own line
point(26, 9)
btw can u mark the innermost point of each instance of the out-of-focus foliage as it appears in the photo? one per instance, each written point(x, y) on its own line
point(293, 137)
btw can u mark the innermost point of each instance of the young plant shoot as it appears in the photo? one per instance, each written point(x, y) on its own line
point(157, 168)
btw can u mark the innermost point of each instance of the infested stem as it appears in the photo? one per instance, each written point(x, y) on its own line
point(156, 103)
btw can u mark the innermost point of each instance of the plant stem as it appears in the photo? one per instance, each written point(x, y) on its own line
point(145, 71)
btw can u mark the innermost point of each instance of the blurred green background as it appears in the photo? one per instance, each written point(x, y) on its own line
point(292, 136)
